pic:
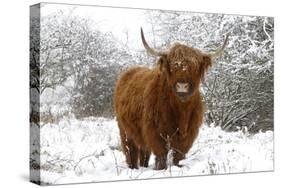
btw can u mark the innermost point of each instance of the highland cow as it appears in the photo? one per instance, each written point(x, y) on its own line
point(160, 109)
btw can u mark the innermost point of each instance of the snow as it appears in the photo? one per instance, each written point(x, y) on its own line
point(88, 150)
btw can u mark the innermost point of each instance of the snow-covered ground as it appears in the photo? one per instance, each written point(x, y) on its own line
point(88, 150)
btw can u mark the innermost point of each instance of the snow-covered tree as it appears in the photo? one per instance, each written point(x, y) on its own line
point(76, 55)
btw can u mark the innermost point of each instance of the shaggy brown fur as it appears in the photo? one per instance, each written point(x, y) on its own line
point(152, 116)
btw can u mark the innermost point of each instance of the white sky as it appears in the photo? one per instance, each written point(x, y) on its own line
point(116, 20)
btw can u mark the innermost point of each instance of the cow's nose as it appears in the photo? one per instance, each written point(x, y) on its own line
point(182, 87)
point(181, 94)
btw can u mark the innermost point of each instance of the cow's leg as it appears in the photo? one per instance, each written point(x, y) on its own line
point(183, 144)
point(144, 156)
point(161, 162)
point(177, 157)
point(130, 150)
point(131, 154)
point(159, 149)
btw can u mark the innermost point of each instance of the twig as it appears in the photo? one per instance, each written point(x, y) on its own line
point(170, 149)
point(116, 165)
point(81, 159)
point(264, 29)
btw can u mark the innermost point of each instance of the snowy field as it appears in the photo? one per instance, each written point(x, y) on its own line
point(74, 151)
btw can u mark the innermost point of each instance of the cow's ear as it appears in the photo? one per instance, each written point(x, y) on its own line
point(164, 64)
point(205, 65)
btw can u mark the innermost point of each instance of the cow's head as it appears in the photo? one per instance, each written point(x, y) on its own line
point(183, 66)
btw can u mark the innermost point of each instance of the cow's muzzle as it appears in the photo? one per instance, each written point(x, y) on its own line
point(183, 90)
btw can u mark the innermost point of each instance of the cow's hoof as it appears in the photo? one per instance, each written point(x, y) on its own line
point(133, 167)
point(178, 165)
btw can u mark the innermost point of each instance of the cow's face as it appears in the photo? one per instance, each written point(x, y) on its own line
point(184, 67)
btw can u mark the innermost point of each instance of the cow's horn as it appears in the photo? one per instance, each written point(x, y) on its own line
point(219, 51)
point(150, 50)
